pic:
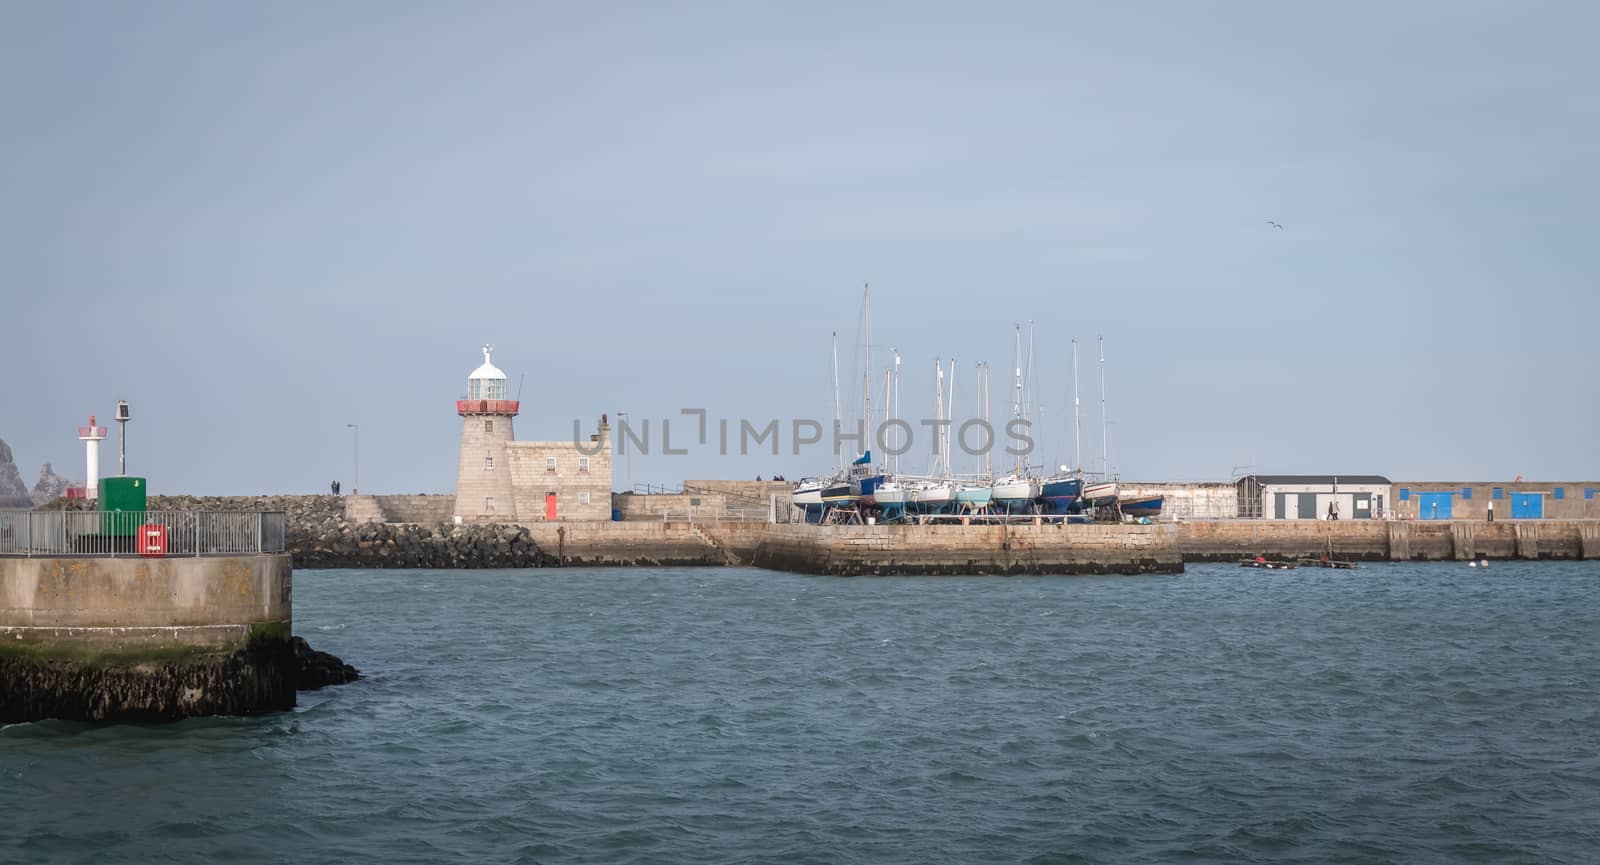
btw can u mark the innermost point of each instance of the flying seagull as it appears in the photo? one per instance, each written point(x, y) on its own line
point(1274, 225)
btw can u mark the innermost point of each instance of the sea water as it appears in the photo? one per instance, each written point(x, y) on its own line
point(1409, 713)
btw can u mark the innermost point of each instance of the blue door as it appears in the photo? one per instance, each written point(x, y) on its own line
point(1527, 506)
point(1433, 506)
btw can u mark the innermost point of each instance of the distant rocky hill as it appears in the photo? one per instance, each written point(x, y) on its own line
point(50, 486)
point(14, 492)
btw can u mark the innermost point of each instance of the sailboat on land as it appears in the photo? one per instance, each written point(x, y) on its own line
point(1016, 492)
point(1062, 493)
point(815, 495)
point(1102, 493)
point(935, 494)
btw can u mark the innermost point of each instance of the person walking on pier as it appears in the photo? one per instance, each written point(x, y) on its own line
point(335, 487)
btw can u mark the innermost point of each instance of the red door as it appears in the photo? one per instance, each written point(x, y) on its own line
point(550, 506)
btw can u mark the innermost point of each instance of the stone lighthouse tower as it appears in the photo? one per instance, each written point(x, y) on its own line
point(483, 480)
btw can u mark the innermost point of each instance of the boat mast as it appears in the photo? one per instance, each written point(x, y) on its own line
point(836, 415)
point(977, 377)
point(988, 469)
point(866, 371)
point(946, 431)
point(1105, 454)
point(896, 403)
point(888, 406)
point(1016, 399)
point(1077, 420)
point(938, 412)
point(1028, 406)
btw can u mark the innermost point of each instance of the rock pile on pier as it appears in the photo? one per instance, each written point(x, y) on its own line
point(317, 535)
point(402, 545)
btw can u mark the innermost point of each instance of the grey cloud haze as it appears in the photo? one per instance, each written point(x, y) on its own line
point(259, 224)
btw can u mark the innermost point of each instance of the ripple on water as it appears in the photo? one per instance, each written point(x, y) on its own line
point(1401, 713)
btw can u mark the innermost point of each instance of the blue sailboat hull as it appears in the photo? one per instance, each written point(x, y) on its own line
point(1061, 496)
point(1149, 506)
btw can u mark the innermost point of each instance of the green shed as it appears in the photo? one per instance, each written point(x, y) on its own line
point(123, 500)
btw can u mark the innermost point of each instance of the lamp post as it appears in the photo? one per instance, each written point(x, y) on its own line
point(622, 427)
point(355, 484)
point(122, 437)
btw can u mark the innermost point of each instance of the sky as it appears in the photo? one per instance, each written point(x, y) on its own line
point(259, 223)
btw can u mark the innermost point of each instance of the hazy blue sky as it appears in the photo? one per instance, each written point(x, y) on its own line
point(261, 222)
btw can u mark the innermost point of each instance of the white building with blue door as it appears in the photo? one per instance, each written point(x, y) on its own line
point(1513, 500)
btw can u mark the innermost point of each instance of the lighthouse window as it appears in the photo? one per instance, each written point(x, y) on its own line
point(583, 464)
point(488, 464)
point(583, 498)
point(549, 464)
point(488, 426)
point(488, 504)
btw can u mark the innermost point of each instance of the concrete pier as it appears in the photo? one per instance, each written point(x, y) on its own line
point(145, 639)
point(1397, 541)
point(954, 549)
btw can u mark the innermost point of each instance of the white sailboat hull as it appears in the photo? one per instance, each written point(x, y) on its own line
point(1100, 494)
point(1015, 492)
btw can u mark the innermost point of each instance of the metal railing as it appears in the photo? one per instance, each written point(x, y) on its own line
point(712, 516)
point(140, 533)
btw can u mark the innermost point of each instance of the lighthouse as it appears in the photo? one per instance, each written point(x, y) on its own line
point(91, 436)
point(483, 477)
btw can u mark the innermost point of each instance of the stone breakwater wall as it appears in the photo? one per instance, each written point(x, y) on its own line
point(1007, 549)
point(1384, 540)
point(145, 639)
point(321, 535)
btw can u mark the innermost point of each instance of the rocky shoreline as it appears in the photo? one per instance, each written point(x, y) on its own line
point(261, 677)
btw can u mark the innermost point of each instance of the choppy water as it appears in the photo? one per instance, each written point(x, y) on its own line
point(1404, 713)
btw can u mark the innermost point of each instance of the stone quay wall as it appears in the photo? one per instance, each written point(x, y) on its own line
point(1390, 540)
point(627, 544)
point(974, 549)
point(424, 510)
point(667, 505)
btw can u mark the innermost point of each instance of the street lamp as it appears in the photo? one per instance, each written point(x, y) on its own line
point(122, 437)
point(622, 427)
point(355, 485)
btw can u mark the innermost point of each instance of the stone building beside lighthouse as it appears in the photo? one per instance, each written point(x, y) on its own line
point(500, 479)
